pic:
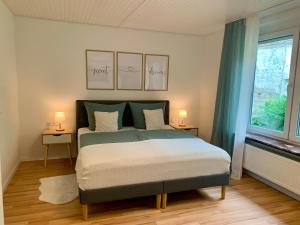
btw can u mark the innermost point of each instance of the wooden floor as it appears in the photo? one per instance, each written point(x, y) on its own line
point(247, 202)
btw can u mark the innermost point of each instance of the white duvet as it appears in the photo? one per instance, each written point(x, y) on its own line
point(115, 164)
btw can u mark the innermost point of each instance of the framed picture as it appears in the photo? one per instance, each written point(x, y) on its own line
point(100, 69)
point(129, 71)
point(156, 72)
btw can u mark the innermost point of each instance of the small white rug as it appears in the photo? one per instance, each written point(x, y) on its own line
point(59, 189)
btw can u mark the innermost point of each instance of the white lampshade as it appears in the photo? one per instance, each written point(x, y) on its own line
point(183, 113)
point(60, 117)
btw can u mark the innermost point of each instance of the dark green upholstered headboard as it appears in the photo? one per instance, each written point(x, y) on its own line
point(81, 115)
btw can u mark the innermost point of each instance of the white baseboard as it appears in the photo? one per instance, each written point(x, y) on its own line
point(10, 176)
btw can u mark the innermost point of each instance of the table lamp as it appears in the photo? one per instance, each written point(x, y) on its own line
point(59, 118)
point(182, 116)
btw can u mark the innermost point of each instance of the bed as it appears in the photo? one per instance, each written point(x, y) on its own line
point(148, 162)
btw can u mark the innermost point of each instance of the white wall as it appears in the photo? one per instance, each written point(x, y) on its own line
point(9, 117)
point(209, 82)
point(51, 71)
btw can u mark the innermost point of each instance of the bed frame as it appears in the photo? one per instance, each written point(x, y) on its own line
point(159, 189)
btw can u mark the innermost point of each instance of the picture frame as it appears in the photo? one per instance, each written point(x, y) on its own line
point(156, 72)
point(129, 71)
point(100, 70)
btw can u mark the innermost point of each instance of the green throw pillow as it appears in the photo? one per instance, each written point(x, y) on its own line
point(138, 114)
point(96, 107)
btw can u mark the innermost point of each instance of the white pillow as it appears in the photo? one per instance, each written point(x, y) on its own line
point(106, 121)
point(154, 119)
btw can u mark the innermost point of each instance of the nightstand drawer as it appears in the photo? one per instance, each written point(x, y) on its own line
point(57, 139)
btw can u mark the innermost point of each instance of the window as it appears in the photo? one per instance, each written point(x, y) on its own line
point(294, 134)
point(271, 81)
point(273, 112)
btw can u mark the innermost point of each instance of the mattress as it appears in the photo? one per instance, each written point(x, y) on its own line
point(117, 164)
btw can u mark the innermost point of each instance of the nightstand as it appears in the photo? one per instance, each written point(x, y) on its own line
point(185, 127)
point(51, 137)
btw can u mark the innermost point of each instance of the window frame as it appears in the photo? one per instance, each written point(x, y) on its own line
point(294, 121)
point(290, 88)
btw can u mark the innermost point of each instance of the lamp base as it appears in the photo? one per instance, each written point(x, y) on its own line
point(61, 129)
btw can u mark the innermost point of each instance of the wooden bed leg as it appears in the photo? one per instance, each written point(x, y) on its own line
point(223, 191)
point(158, 201)
point(164, 200)
point(85, 211)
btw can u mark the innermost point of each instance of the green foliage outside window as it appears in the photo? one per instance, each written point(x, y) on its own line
point(271, 114)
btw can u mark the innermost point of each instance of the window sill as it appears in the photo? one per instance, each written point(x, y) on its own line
point(279, 147)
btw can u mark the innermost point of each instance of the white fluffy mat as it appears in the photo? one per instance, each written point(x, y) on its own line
point(59, 189)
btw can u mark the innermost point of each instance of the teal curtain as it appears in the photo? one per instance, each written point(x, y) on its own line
point(229, 85)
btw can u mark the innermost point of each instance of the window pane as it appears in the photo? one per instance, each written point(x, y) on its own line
point(271, 82)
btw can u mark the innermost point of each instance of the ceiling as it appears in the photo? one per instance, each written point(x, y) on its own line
point(199, 17)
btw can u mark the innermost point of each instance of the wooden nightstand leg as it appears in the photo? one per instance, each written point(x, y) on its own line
point(46, 155)
point(69, 151)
